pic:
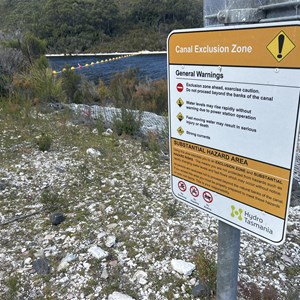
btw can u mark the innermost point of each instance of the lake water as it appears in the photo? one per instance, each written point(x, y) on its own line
point(150, 66)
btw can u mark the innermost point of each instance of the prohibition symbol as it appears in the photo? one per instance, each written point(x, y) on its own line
point(182, 186)
point(179, 87)
point(194, 191)
point(207, 196)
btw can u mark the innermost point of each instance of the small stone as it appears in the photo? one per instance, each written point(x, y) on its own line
point(108, 132)
point(119, 296)
point(93, 152)
point(40, 253)
point(287, 259)
point(41, 266)
point(95, 131)
point(281, 267)
point(112, 226)
point(104, 274)
point(2, 186)
point(65, 261)
point(97, 252)
point(110, 241)
point(113, 263)
point(86, 265)
point(182, 267)
point(199, 290)
point(27, 261)
point(57, 218)
point(109, 209)
point(60, 170)
point(141, 277)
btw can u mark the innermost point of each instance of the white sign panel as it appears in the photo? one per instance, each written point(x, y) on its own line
point(233, 108)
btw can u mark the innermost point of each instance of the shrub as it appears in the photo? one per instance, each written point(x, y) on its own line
point(44, 142)
point(250, 291)
point(270, 293)
point(70, 83)
point(4, 84)
point(123, 87)
point(127, 122)
point(103, 92)
point(51, 200)
point(160, 96)
point(86, 92)
point(152, 96)
point(151, 142)
point(207, 270)
point(38, 84)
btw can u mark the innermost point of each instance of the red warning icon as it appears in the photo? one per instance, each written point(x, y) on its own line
point(207, 196)
point(194, 191)
point(179, 87)
point(182, 186)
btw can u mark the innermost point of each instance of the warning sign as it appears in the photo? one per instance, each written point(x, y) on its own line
point(180, 117)
point(180, 102)
point(281, 46)
point(180, 131)
point(239, 122)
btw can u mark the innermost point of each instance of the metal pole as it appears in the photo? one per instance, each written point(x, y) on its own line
point(228, 236)
point(228, 261)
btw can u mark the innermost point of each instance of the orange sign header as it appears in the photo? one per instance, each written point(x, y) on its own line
point(277, 46)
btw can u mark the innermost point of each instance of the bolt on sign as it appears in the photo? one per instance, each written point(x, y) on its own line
point(233, 116)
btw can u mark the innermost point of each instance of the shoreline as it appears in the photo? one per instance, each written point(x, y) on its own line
point(144, 52)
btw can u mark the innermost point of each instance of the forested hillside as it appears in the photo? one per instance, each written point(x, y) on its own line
point(70, 26)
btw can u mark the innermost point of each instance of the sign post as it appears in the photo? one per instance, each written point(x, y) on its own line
point(233, 109)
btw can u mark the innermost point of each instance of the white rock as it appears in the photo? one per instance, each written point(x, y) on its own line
point(65, 261)
point(182, 267)
point(119, 296)
point(113, 182)
point(287, 259)
point(112, 226)
point(39, 253)
point(140, 276)
point(104, 274)
point(100, 235)
point(95, 131)
point(97, 252)
point(27, 261)
point(110, 241)
point(86, 265)
point(109, 209)
point(93, 152)
point(69, 124)
point(108, 132)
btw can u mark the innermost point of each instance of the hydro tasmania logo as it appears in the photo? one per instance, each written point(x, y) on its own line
point(250, 219)
point(236, 212)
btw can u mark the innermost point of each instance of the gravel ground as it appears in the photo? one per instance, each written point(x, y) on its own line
point(121, 227)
